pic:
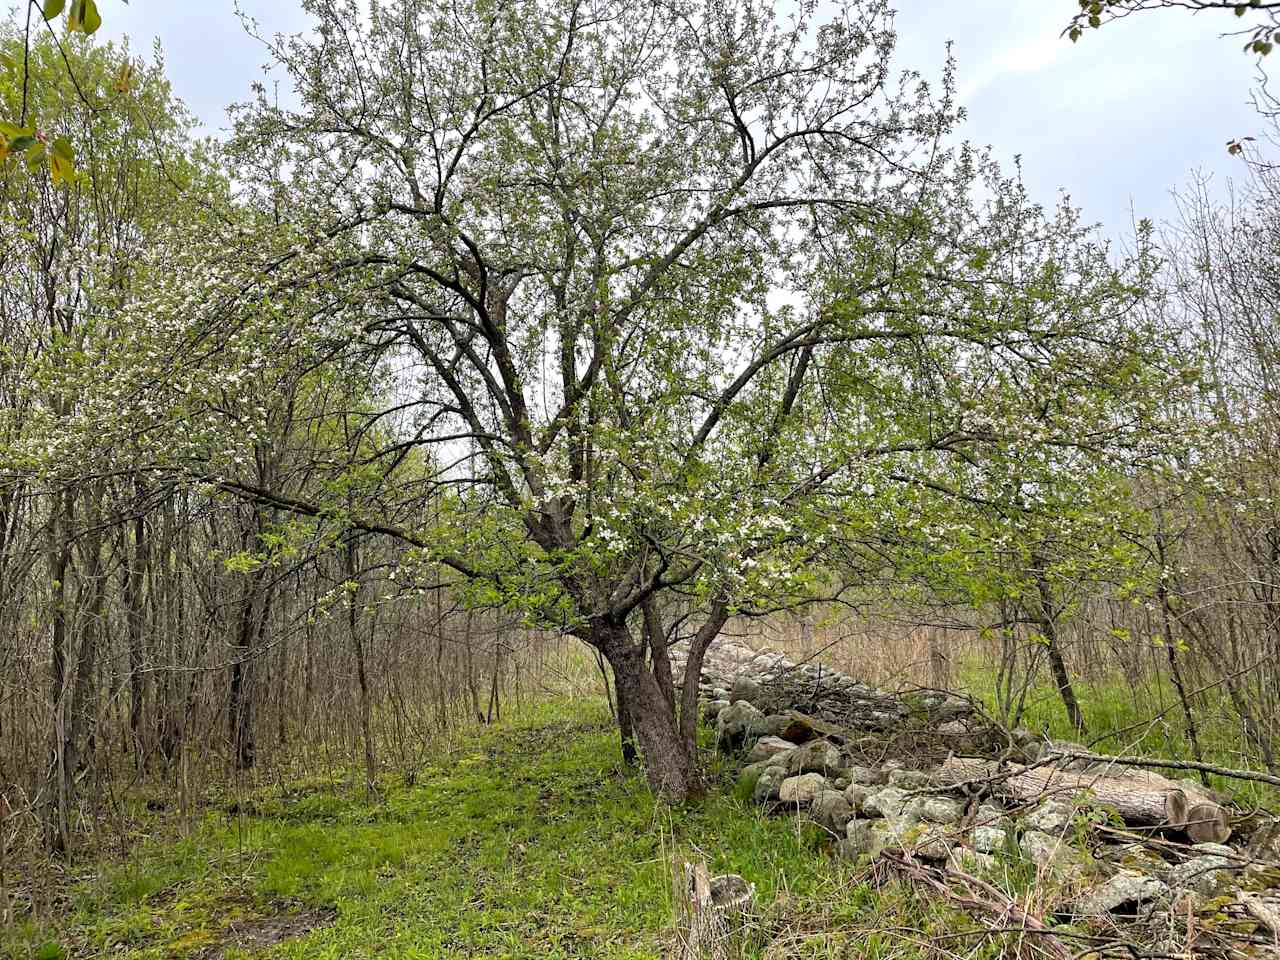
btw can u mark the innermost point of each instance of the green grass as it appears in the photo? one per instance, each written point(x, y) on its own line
point(530, 840)
point(525, 840)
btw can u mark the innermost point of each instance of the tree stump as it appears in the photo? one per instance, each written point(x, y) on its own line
point(713, 914)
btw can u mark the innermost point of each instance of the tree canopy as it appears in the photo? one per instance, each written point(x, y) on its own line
point(644, 315)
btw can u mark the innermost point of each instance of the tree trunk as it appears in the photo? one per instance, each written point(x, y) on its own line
point(669, 764)
point(626, 730)
point(693, 671)
point(240, 705)
point(656, 635)
point(133, 574)
point(1048, 623)
point(1140, 797)
point(58, 784)
point(362, 676)
point(75, 707)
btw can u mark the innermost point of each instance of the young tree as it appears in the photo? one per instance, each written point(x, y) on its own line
point(69, 251)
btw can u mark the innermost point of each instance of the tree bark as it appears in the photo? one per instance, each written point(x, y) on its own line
point(710, 629)
point(1048, 623)
point(669, 764)
point(133, 574)
point(656, 635)
point(626, 729)
point(240, 704)
point(57, 784)
point(362, 676)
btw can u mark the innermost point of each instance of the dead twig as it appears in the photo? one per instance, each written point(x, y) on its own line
point(981, 897)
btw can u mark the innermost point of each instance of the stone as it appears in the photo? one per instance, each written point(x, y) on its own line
point(1137, 858)
point(1022, 736)
point(767, 747)
point(1128, 890)
point(831, 810)
point(774, 724)
point(860, 841)
point(1264, 841)
point(887, 802)
point(802, 729)
point(1213, 850)
point(1056, 747)
point(955, 706)
point(1052, 816)
point(769, 785)
point(1031, 752)
point(734, 722)
point(924, 841)
point(841, 783)
point(817, 756)
point(1048, 851)
point(744, 688)
point(953, 728)
point(856, 794)
point(911, 780)
point(932, 844)
point(867, 776)
point(989, 815)
point(712, 709)
point(752, 771)
point(802, 790)
point(990, 840)
point(1207, 875)
point(936, 810)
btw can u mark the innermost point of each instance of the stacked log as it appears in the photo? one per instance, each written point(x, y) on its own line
point(1141, 798)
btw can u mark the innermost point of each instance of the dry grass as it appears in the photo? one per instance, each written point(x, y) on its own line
point(882, 652)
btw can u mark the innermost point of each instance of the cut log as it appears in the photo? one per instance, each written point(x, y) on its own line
point(1207, 822)
point(1141, 798)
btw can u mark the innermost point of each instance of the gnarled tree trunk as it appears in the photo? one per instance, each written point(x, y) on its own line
point(668, 760)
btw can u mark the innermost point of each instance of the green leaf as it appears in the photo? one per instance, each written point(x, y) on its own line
point(35, 157)
point(52, 8)
point(92, 20)
point(62, 162)
point(19, 144)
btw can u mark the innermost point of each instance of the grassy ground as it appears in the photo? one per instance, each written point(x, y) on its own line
point(528, 840)
point(521, 840)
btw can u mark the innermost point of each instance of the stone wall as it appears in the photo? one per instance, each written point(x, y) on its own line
point(866, 765)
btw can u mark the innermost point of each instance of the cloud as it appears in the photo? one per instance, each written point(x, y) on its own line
point(1040, 47)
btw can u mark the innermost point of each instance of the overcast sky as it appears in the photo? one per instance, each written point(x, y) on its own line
point(1117, 120)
